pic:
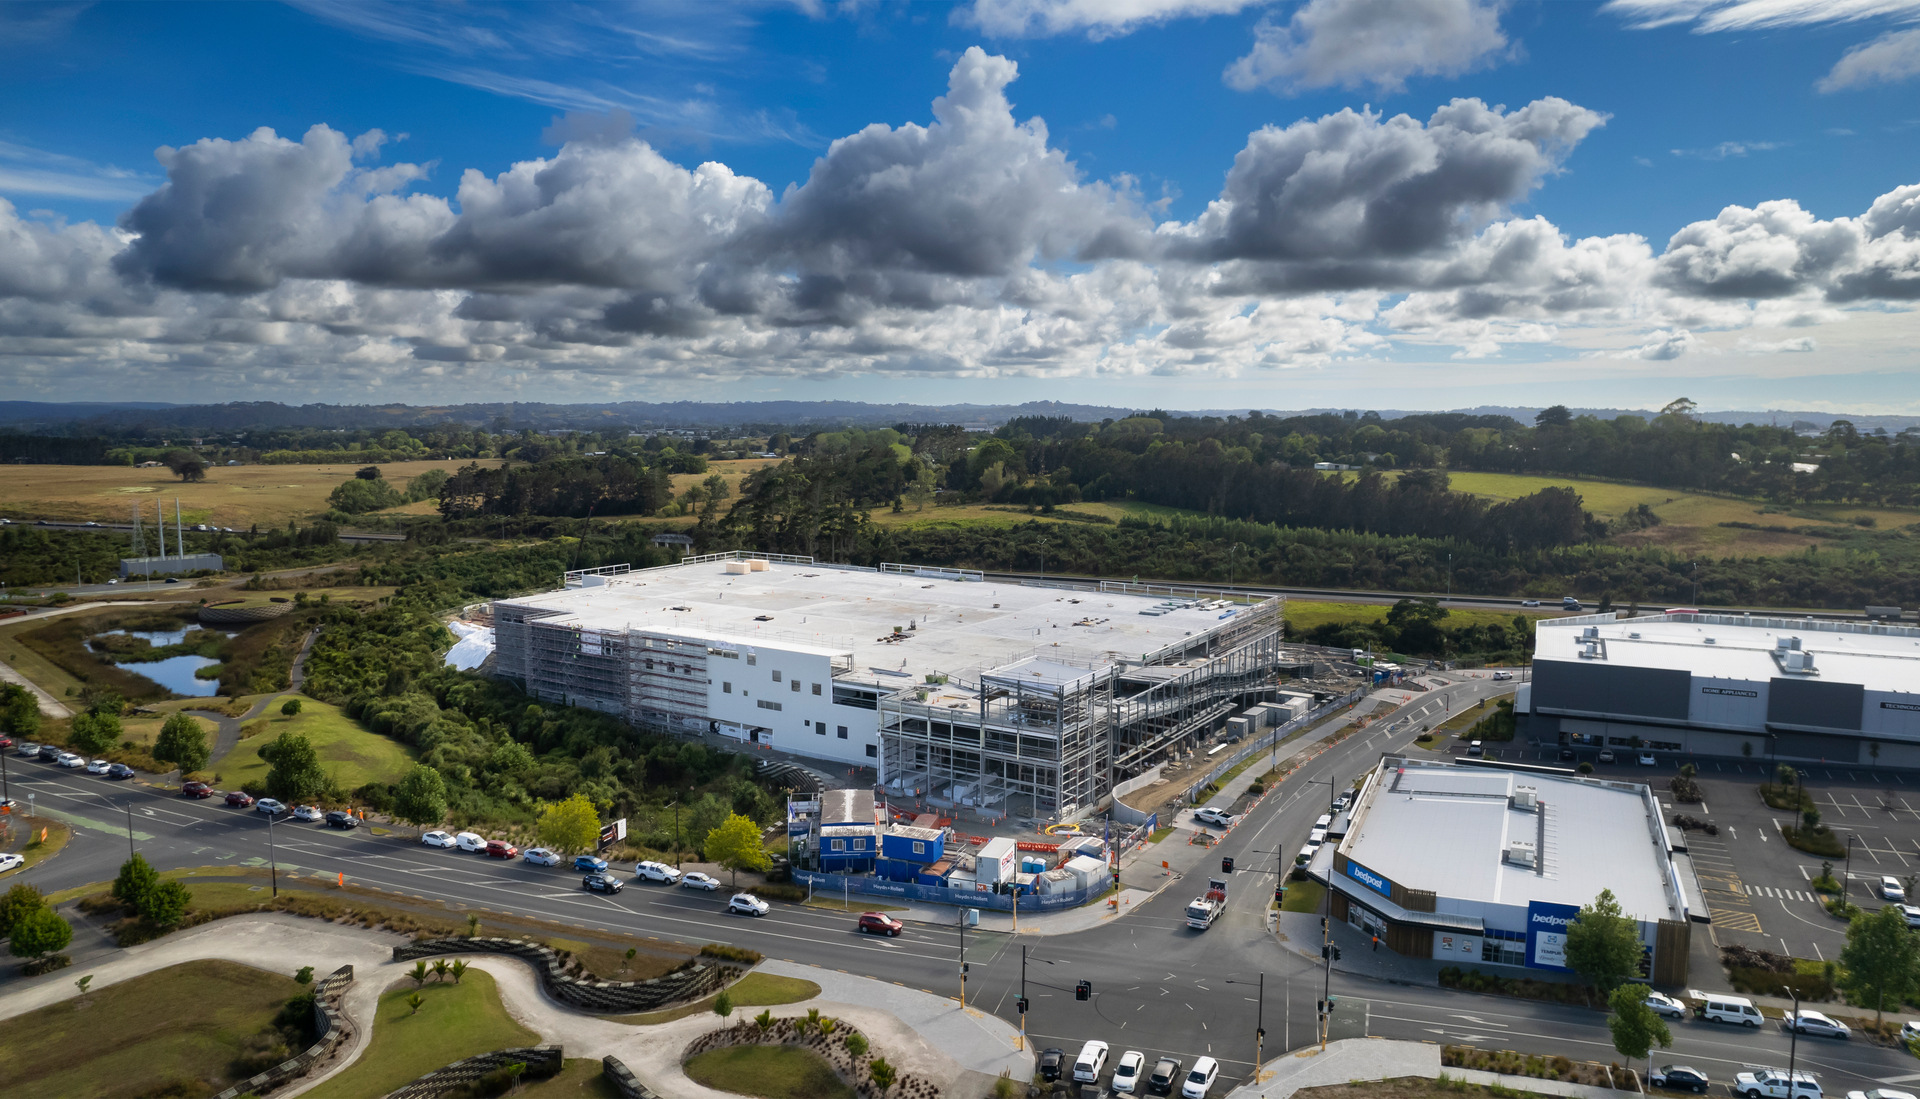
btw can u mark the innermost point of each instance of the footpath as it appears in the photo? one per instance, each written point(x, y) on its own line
point(921, 1033)
point(1351, 1059)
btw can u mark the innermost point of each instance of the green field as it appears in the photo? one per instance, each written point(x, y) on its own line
point(455, 1021)
point(1303, 615)
point(349, 753)
point(1689, 519)
point(186, 1022)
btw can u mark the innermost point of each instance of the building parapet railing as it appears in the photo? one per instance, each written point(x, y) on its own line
point(937, 572)
point(603, 570)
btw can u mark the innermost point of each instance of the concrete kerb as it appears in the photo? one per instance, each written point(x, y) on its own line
point(1352, 1059)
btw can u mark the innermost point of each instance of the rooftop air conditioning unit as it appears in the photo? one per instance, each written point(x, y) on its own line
point(1520, 853)
point(1526, 798)
point(1590, 631)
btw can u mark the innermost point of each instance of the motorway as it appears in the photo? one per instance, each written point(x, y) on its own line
point(1158, 986)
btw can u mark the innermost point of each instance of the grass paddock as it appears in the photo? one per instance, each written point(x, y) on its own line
point(348, 751)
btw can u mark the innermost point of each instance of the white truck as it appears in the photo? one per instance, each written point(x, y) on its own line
point(1206, 909)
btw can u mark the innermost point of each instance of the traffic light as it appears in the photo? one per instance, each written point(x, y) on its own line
point(1226, 864)
point(1083, 990)
point(1021, 1003)
point(1280, 894)
point(1336, 953)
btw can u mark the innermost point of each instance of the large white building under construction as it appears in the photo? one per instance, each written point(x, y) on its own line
point(1032, 699)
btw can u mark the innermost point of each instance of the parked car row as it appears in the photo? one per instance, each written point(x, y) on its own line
point(1194, 1083)
point(60, 757)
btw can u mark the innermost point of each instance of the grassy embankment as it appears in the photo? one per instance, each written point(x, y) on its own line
point(752, 990)
point(186, 1022)
point(349, 752)
point(772, 1072)
point(454, 1021)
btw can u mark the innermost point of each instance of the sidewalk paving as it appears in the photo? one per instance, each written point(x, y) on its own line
point(1353, 1059)
point(921, 1032)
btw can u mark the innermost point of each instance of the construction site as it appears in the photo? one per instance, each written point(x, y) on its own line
point(1006, 699)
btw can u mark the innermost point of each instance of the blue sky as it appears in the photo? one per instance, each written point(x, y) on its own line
point(677, 226)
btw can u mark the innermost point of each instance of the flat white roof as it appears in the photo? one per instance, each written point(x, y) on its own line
point(1438, 826)
point(1728, 646)
point(951, 627)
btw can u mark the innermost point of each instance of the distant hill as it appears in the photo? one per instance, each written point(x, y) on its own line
point(117, 417)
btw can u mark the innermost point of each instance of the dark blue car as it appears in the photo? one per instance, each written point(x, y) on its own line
point(590, 862)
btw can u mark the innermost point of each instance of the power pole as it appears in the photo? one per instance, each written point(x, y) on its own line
point(963, 958)
point(273, 859)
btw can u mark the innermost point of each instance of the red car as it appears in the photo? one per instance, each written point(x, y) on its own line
point(240, 798)
point(6, 742)
point(501, 849)
point(196, 790)
point(879, 923)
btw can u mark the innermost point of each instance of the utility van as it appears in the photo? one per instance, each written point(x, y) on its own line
point(1718, 1007)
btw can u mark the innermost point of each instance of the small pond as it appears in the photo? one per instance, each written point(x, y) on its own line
point(176, 672)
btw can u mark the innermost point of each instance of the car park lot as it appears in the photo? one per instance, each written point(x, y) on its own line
point(1759, 889)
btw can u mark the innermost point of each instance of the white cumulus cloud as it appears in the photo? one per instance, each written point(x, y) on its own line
point(1889, 59)
point(1378, 43)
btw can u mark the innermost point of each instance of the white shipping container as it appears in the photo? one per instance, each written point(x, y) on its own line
point(996, 862)
point(1087, 872)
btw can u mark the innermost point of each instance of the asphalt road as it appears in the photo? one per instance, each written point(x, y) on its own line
point(1158, 986)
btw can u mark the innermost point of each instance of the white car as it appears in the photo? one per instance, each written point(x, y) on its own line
point(98, 767)
point(696, 880)
point(1205, 1071)
point(10, 861)
point(746, 904)
point(1529, 602)
point(656, 871)
point(1771, 1083)
point(1219, 818)
point(437, 838)
point(1647, 760)
point(470, 841)
point(1881, 1093)
point(1502, 677)
point(68, 759)
point(1909, 1031)
point(540, 856)
point(1317, 837)
point(1890, 890)
point(1663, 1004)
point(1087, 1066)
point(309, 813)
point(269, 806)
point(1812, 1022)
point(1126, 1071)
point(1325, 820)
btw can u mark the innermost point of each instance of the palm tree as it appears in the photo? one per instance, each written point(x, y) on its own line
point(439, 969)
point(419, 974)
point(458, 969)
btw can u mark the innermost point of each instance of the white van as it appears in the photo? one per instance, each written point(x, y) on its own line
point(1722, 1008)
point(470, 841)
point(1087, 1066)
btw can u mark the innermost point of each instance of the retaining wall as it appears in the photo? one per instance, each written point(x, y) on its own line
point(624, 1081)
point(540, 1060)
point(587, 994)
point(328, 1019)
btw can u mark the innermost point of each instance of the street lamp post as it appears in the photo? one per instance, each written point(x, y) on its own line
point(1793, 1037)
point(1846, 886)
point(1259, 1023)
point(1326, 938)
point(273, 858)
